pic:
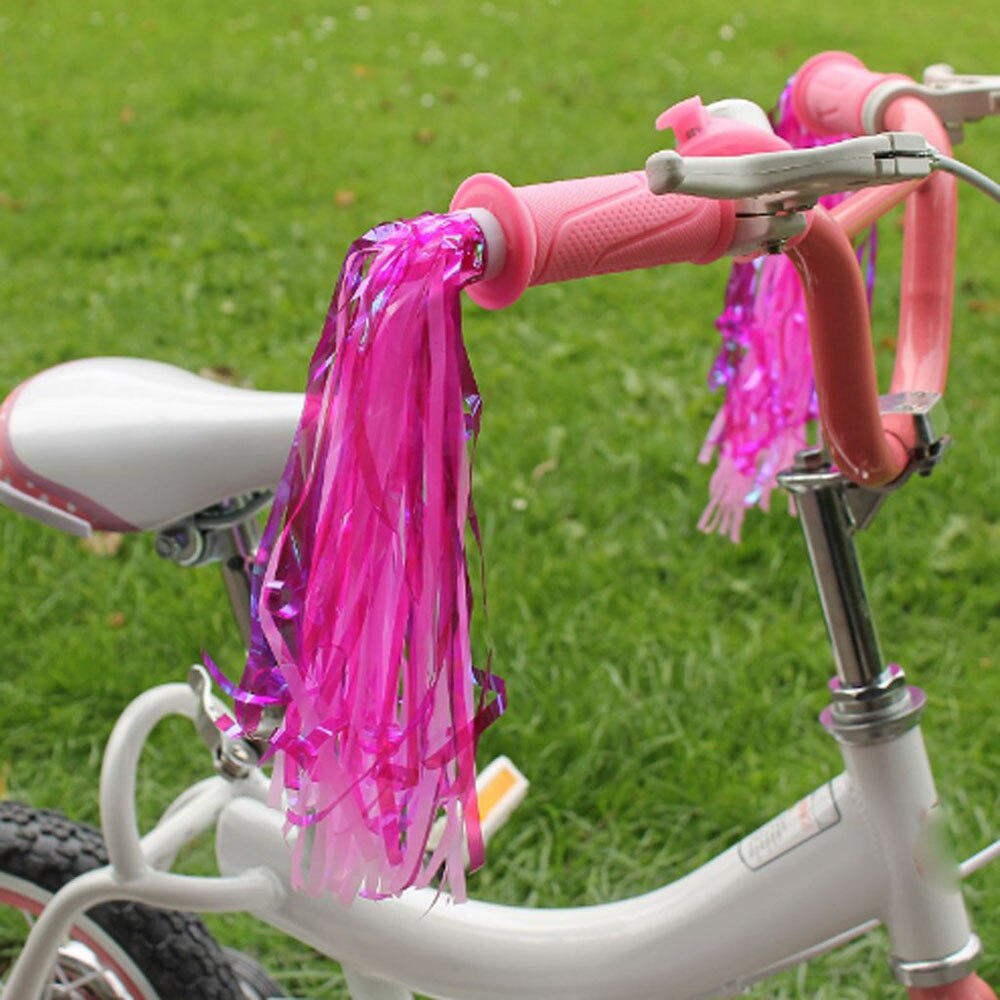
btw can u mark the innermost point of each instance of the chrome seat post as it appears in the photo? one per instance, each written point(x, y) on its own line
point(237, 547)
point(228, 534)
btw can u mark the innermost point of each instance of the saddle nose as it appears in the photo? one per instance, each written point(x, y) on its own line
point(127, 444)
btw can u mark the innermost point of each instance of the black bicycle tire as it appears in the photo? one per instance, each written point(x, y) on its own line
point(173, 950)
point(253, 978)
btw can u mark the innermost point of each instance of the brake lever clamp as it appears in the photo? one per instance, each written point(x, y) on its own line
point(763, 229)
point(954, 98)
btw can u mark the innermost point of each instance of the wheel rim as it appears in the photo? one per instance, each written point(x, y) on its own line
point(91, 965)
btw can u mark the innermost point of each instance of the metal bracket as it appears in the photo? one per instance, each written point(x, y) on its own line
point(930, 425)
point(759, 229)
point(195, 541)
point(233, 759)
point(930, 420)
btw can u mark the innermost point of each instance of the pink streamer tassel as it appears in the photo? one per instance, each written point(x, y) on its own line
point(361, 593)
point(765, 368)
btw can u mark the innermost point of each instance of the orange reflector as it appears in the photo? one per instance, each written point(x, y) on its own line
point(495, 789)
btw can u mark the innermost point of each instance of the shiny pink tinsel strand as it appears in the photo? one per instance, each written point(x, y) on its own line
point(361, 596)
point(765, 368)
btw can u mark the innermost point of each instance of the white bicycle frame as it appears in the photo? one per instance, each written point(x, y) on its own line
point(856, 852)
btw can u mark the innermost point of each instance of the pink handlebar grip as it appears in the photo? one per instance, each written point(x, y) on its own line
point(830, 91)
point(595, 225)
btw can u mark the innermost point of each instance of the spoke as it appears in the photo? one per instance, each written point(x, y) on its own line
point(94, 975)
point(58, 980)
point(99, 976)
point(980, 860)
point(74, 977)
point(59, 977)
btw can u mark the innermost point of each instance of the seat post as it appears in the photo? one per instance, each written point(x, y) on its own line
point(237, 546)
point(226, 533)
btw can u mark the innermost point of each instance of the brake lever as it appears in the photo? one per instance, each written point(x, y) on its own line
point(795, 179)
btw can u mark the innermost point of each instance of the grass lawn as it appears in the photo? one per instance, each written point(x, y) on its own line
point(179, 180)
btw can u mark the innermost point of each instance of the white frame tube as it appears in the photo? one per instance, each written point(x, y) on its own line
point(705, 934)
point(923, 910)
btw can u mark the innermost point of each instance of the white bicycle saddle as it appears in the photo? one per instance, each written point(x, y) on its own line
point(123, 444)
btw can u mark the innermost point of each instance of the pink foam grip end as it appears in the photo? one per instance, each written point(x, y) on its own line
point(830, 90)
point(594, 225)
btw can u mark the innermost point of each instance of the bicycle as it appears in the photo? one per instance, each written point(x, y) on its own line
point(857, 851)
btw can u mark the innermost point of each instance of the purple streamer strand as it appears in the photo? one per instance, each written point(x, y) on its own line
point(361, 598)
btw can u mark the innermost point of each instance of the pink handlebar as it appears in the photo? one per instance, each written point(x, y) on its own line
point(830, 91)
point(595, 225)
point(843, 358)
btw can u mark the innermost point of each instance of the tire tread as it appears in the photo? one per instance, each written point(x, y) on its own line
point(175, 951)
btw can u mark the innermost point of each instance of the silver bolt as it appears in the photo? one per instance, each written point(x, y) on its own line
point(810, 459)
point(235, 760)
point(166, 546)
